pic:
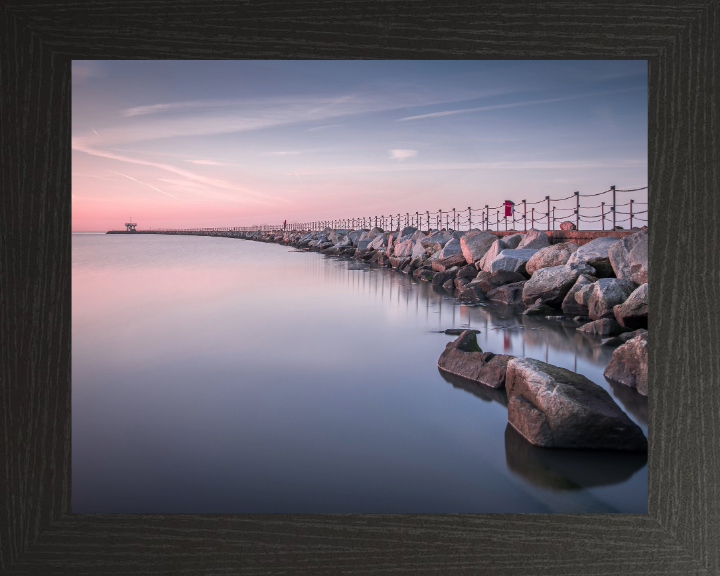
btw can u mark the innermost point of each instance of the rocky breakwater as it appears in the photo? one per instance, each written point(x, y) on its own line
point(549, 406)
point(602, 285)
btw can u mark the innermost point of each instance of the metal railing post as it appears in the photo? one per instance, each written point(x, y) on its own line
point(613, 206)
point(553, 221)
point(532, 222)
point(631, 214)
point(524, 215)
point(548, 211)
point(469, 219)
point(577, 210)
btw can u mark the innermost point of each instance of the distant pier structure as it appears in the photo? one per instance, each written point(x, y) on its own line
point(130, 226)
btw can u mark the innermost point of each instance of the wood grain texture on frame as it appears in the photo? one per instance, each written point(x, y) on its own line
point(39, 535)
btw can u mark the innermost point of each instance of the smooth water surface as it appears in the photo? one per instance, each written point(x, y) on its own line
point(225, 375)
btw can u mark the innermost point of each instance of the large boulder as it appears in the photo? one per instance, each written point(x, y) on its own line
point(441, 277)
point(471, 292)
point(435, 242)
point(595, 254)
point(567, 226)
point(379, 242)
point(633, 313)
point(407, 231)
point(463, 357)
point(364, 243)
point(451, 248)
point(495, 248)
point(513, 260)
point(499, 278)
point(355, 235)
point(418, 250)
point(629, 363)
point(556, 408)
point(403, 249)
point(442, 264)
point(550, 285)
point(475, 244)
point(536, 239)
point(513, 241)
point(572, 306)
point(510, 294)
point(605, 294)
point(555, 255)
point(603, 327)
point(629, 257)
point(468, 271)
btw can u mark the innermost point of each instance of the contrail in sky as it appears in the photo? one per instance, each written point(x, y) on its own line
point(151, 186)
point(298, 177)
point(93, 129)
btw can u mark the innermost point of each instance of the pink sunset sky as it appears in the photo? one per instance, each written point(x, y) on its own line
point(235, 143)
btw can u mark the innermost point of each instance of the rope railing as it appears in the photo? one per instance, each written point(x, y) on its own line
point(488, 217)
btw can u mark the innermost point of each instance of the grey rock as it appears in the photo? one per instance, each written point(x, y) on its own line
point(407, 231)
point(595, 253)
point(474, 245)
point(550, 285)
point(633, 313)
point(629, 363)
point(628, 257)
point(498, 246)
point(602, 327)
point(556, 408)
point(499, 278)
point(612, 341)
point(378, 242)
point(471, 293)
point(469, 271)
point(510, 294)
point(555, 255)
point(464, 358)
point(513, 241)
point(364, 244)
point(536, 239)
point(459, 331)
point(435, 242)
point(460, 282)
point(449, 285)
point(605, 294)
point(513, 260)
point(450, 249)
point(537, 309)
point(441, 277)
point(573, 306)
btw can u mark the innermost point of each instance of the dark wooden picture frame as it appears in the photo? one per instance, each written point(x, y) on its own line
point(681, 532)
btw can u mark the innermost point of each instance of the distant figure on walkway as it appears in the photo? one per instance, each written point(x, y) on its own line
point(285, 225)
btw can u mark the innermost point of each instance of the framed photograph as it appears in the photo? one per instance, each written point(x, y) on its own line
point(275, 365)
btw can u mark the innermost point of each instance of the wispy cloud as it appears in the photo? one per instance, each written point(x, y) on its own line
point(402, 154)
point(171, 106)
point(537, 165)
point(207, 162)
point(323, 127)
point(284, 153)
point(145, 184)
point(514, 104)
point(248, 194)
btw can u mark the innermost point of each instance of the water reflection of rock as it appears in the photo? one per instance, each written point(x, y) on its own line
point(563, 469)
point(631, 399)
point(483, 392)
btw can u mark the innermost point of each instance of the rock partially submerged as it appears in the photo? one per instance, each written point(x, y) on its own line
point(510, 294)
point(578, 306)
point(556, 408)
point(633, 313)
point(463, 357)
point(629, 364)
point(603, 327)
point(499, 278)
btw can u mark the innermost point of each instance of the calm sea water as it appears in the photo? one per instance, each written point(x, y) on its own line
point(224, 375)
